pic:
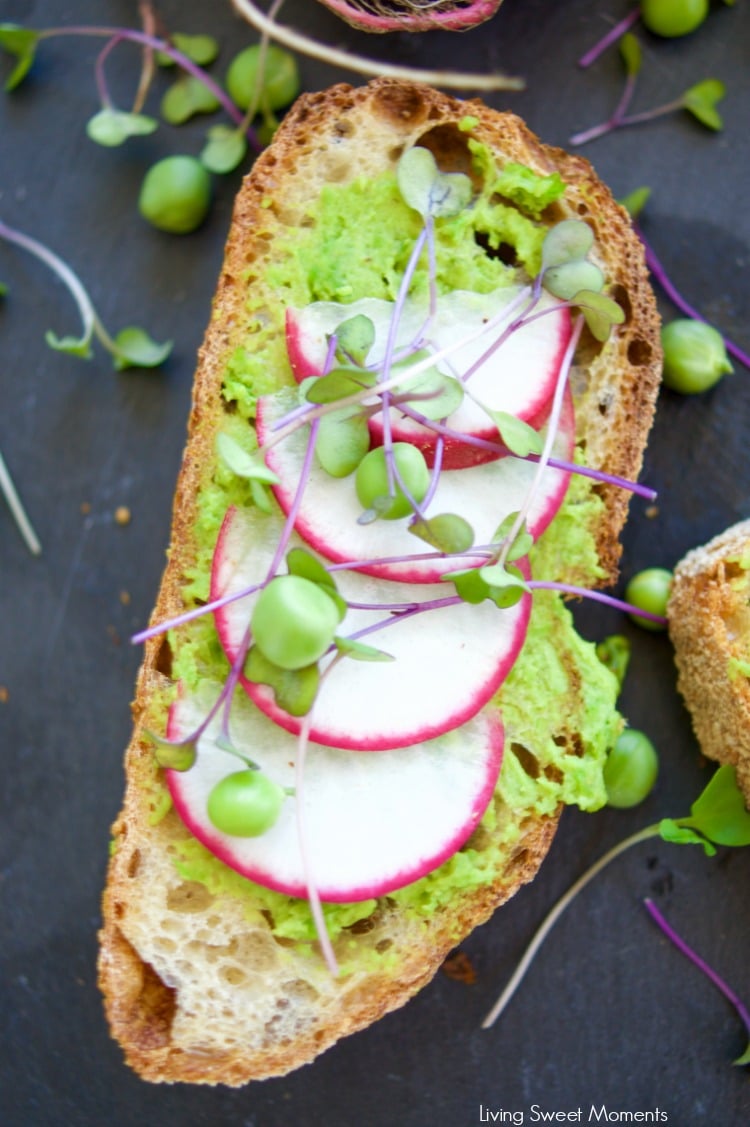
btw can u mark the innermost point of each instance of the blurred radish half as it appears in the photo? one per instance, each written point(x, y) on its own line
point(413, 15)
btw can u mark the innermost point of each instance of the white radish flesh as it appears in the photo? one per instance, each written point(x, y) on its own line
point(484, 495)
point(448, 662)
point(374, 823)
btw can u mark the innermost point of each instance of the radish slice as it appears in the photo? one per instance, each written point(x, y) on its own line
point(374, 823)
point(519, 377)
point(448, 662)
point(484, 495)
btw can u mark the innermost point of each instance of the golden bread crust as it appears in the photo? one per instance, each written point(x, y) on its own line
point(335, 135)
point(709, 624)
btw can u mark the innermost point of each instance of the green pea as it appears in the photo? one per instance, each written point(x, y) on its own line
point(695, 357)
point(630, 770)
point(671, 18)
point(176, 194)
point(280, 78)
point(649, 590)
point(245, 803)
point(294, 622)
point(371, 479)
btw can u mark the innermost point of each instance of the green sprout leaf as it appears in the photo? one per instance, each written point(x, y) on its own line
point(339, 384)
point(600, 312)
point(523, 541)
point(568, 241)
point(185, 98)
point(74, 346)
point(433, 394)
point(224, 150)
point(469, 585)
point(520, 438)
point(304, 564)
point(569, 279)
point(134, 348)
point(3, 289)
point(294, 690)
point(261, 496)
point(673, 831)
point(447, 532)
point(719, 813)
point(350, 647)
point(630, 51)
point(507, 582)
point(240, 462)
point(354, 339)
point(717, 816)
point(343, 440)
point(21, 42)
point(700, 100)
point(428, 190)
point(202, 49)
point(111, 127)
point(173, 756)
point(378, 506)
point(307, 566)
point(635, 202)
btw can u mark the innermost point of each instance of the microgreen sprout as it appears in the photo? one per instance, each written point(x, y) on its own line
point(667, 18)
point(112, 126)
point(700, 100)
point(710, 973)
point(130, 348)
point(634, 204)
point(717, 817)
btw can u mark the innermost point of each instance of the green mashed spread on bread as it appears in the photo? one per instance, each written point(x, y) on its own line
point(340, 254)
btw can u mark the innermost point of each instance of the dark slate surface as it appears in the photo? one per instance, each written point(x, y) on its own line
point(611, 1015)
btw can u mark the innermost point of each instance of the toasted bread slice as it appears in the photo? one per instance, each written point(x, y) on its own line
point(709, 624)
point(207, 978)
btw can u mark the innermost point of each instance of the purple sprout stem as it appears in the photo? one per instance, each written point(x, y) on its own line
point(597, 596)
point(188, 616)
point(617, 119)
point(437, 465)
point(644, 491)
point(165, 48)
point(101, 82)
point(483, 552)
point(517, 323)
point(398, 615)
point(682, 304)
point(611, 37)
point(695, 958)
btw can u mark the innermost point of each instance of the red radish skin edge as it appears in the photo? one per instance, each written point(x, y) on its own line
point(383, 740)
point(305, 363)
point(220, 844)
point(407, 572)
point(452, 20)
